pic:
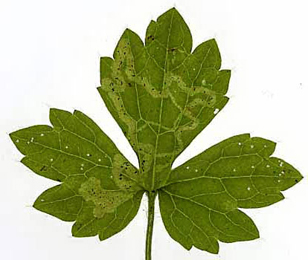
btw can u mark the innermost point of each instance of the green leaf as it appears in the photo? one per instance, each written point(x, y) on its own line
point(162, 95)
point(99, 189)
point(200, 203)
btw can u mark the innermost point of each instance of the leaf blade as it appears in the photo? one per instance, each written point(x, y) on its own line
point(60, 202)
point(112, 223)
point(94, 173)
point(161, 94)
point(236, 173)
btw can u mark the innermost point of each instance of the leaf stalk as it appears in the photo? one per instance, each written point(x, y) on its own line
point(151, 213)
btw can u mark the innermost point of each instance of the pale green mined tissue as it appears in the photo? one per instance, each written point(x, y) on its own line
point(162, 94)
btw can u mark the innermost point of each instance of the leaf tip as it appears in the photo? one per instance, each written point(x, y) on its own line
point(17, 140)
point(298, 178)
point(257, 234)
point(127, 30)
point(215, 249)
point(53, 110)
point(11, 136)
point(227, 72)
point(188, 248)
point(74, 230)
point(212, 41)
point(77, 112)
point(172, 9)
point(36, 204)
point(102, 236)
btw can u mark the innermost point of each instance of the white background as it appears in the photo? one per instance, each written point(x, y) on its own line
point(49, 57)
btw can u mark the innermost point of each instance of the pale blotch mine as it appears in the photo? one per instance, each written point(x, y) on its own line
point(105, 201)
